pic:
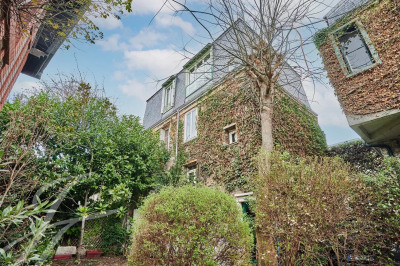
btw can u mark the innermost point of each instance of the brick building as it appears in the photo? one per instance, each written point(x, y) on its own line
point(361, 53)
point(28, 51)
point(209, 117)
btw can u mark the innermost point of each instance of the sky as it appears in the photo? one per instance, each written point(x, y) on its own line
point(137, 52)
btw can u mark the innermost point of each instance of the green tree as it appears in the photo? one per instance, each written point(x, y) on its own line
point(77, 132)
point(66, 19)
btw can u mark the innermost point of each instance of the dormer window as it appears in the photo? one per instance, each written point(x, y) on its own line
point(168, 95)
point(199, 72)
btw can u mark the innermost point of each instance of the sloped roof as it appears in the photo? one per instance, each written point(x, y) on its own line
point(343, 8)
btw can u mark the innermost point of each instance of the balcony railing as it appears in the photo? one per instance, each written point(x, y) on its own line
point(202, 80)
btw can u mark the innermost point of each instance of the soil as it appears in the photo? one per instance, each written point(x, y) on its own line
point(101, 261)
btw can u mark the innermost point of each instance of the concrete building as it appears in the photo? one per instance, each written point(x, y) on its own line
point(360, 49)
point(209, 119)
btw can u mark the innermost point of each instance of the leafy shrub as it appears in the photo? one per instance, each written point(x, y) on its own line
point(383, 205)
point(190, 225)
point(303, 204)
point(361, 158)
point(113, 236)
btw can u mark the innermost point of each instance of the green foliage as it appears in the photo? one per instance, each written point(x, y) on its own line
point(383, 204)
point(362, 159)
point(106, 234)
point(113, 237)
point(190, 225)
point(68, 19)
point(71, 130)
point(296, 130)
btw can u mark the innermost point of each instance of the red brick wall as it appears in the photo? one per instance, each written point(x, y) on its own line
point(13, 53)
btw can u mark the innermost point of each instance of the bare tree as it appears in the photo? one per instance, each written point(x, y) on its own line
point(267, 42)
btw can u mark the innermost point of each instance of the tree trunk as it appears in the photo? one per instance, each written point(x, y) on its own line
point(79, 251)
point(267, 254)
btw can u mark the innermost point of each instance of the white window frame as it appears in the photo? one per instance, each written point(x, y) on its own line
point(167, 138)
point(168, 97)
point(197, 68)
point(231, 133)
point(190, 125)
point(192, 171)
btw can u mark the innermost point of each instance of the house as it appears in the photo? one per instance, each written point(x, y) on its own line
point(28, 50)
point(209, 118)
point(361, 53)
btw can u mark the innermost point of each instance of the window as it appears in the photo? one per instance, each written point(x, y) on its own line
point(164, 136)
point(168, 96)
point(191, 173)
point(199, 73)
point(191, 124)
point(231, 136)
point(354, 49)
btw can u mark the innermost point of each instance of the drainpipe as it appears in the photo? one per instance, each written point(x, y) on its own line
point(177, 135)
point(384, 146)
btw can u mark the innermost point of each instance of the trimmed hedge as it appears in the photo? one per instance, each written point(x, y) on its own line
point(190, 226)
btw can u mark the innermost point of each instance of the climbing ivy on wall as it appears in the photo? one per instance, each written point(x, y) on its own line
point(231, 166)
point(222, 164)
point(295, 129)
point(322, 35)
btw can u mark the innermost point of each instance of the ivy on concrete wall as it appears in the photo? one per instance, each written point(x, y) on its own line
point(232, 166)
point(295, 129)
point(222, 164)
point(378, 88)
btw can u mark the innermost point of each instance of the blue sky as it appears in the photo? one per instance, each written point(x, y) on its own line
point(134, 55)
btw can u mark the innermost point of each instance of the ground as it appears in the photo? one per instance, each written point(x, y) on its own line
point(102, 261)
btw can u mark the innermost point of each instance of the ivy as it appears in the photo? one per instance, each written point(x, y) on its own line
point(295, 129)
point(321, 35)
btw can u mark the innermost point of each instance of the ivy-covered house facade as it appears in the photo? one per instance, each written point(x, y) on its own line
point(361, 53)
point(209, 119)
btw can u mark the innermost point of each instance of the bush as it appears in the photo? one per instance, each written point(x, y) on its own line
point(303, 205)
point(113, 236)
point(190, 225)
point(361, 158)
point(383, 206)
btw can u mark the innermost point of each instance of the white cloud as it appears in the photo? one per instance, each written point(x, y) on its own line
point(108, 23)
point(168, 20)
point(159, 63)
point(140, 90)
point(112, 43)
point(26, 86)
point(324, 102)
point(145, 7)
point(146, 38)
